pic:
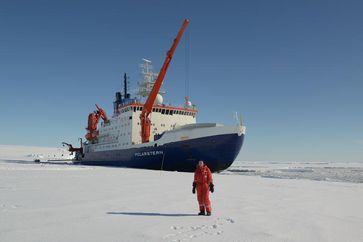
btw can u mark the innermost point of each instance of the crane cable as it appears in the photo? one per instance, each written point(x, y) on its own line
point(187, 62)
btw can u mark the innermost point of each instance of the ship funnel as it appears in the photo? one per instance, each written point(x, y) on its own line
point(118, 97)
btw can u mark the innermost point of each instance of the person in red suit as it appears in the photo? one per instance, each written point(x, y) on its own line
point(203, 183)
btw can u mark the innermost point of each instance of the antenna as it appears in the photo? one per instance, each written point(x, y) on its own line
point(148, 61)
point(148, 77)
point(125, 85)
point(238, 118)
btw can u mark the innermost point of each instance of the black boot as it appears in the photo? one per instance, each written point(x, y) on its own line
point(209, 213)
point(201, 213)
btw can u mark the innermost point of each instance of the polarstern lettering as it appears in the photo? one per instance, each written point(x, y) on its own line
point(149, 153)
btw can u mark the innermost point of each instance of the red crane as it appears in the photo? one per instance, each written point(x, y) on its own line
point(147, 109)
point(93, 119)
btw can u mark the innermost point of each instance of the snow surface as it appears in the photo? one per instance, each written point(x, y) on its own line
point(54, 202)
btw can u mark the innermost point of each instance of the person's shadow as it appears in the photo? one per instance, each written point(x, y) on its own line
point(152, 214)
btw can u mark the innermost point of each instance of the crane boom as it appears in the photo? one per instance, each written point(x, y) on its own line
point(147, 109)
point(93, 119)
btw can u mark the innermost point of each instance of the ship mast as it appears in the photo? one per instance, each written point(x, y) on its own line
point(147, 109)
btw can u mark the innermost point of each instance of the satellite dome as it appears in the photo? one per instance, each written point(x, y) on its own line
point(158, 100)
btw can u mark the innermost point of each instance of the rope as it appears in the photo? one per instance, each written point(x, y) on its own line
point(187, 62)
point(162, 163)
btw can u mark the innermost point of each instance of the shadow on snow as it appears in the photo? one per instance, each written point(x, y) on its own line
point(152, 214)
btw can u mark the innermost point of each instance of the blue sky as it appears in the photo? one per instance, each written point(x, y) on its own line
point(293, 68)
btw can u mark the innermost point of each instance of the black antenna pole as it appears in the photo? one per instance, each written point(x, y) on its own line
point(125, 85)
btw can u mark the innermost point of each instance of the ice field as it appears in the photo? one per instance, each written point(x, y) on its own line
point(60, 202)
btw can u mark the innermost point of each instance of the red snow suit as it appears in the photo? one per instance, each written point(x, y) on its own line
point(202, 178)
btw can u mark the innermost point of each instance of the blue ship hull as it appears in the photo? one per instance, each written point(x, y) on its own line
point(218, 152)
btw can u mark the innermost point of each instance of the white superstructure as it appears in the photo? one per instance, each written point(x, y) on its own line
point(122, 131)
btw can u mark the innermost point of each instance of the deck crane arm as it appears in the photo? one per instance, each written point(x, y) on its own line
point(102, 113)
point(147, 108)
point(93, 119)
